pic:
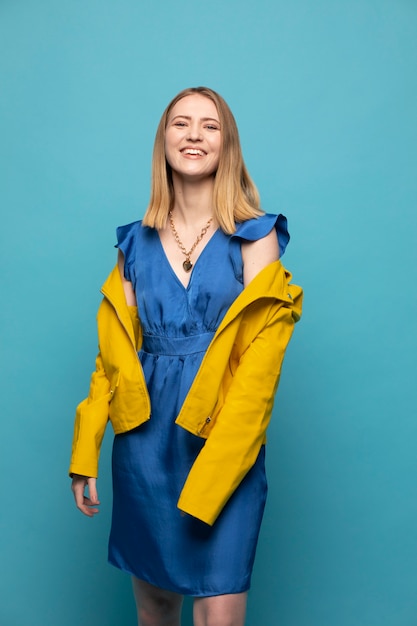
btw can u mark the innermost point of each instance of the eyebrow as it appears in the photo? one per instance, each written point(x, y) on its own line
point(202, 119)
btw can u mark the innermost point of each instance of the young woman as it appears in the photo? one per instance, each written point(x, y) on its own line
point(193, 328)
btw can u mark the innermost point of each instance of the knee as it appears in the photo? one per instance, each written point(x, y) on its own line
point(226, 610)
point(151, 617)
point(222, 620)
point(158, 609)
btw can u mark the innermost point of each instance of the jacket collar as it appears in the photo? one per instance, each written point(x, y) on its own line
point(273, 283)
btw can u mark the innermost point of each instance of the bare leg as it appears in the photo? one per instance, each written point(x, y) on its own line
point(226, 610)
point(156, 607)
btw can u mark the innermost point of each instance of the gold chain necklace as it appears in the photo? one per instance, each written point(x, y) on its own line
point(187, 265)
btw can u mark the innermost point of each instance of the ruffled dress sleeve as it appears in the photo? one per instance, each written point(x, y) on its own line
point(254, 229)
point(127, 239)
point(257, 228)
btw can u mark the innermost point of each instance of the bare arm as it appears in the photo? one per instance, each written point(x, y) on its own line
point(127, 285)
point(258, 254)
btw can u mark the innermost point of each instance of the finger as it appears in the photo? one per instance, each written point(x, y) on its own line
point(92, 490)
point(88, 508)
point(86, 505)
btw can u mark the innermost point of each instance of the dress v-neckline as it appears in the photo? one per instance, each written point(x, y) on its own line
point(168, 262)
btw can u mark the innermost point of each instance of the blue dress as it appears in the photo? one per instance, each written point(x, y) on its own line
point(149, 537)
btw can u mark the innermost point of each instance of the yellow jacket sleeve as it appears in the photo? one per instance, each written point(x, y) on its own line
point(90, 423)
point(92, 414)
point(239, 429)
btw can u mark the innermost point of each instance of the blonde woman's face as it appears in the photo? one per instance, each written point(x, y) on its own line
point(193, 137)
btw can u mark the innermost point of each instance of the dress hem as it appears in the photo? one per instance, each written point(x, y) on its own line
point(183, 591)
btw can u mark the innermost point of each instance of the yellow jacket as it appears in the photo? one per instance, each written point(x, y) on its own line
point(229, 403)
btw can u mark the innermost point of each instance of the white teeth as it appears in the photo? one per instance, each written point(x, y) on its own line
point(196, 152)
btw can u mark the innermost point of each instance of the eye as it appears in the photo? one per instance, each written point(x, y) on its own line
point(180, 124)
point(212, 127)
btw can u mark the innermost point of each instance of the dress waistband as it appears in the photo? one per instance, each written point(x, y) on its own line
point(155, 344)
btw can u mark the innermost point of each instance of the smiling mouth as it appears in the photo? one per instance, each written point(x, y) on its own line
point(193, 152)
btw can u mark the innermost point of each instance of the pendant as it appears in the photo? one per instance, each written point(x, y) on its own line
point(187, 265)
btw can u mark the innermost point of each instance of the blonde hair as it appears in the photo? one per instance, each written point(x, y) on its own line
point(235, 195)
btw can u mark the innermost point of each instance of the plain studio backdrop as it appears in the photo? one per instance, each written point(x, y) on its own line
point(325, 97)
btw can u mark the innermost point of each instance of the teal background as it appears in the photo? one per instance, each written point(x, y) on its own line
point(325, 97)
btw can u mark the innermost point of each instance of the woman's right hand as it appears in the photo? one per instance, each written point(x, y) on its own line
point(87, 505)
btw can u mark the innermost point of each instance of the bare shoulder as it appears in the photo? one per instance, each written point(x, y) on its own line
point(127, 285)
point(258, 254)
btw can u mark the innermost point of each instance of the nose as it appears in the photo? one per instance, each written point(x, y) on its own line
point(194, 133)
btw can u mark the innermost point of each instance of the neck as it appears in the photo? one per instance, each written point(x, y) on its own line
point(193, 200)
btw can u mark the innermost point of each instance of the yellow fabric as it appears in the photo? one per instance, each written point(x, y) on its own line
point(230, 401)
point(117, 388)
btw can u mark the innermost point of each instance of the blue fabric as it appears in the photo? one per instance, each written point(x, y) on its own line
point(149, 537)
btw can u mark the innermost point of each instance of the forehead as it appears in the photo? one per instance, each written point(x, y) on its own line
point(195, 105)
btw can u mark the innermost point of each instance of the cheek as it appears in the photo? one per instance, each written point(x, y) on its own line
point(220, 145)
point(219, 151)
point(168, 149)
